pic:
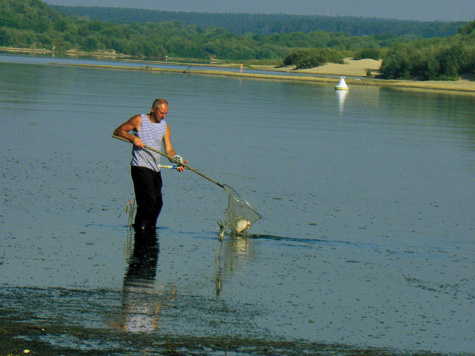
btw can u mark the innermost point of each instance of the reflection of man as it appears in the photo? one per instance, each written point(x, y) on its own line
point(140, 302)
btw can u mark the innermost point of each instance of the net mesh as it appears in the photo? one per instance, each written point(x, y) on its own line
point(239, 214)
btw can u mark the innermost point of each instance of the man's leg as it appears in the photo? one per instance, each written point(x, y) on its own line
point(158, 201)
point(148, 190)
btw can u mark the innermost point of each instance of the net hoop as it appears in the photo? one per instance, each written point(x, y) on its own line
point(239, 214)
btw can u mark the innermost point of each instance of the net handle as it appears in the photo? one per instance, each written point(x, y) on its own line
point(173, 160)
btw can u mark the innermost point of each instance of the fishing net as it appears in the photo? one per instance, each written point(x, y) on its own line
point(239, 214)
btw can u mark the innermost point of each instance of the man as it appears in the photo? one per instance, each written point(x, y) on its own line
point(150, 130)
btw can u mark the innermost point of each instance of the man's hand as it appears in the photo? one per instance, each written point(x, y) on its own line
point(181, 168)
point(138, 142)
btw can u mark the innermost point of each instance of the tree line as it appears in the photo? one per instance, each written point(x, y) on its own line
point(33, 24)
point(436, 59)
point(423, 59)
point(264, 25)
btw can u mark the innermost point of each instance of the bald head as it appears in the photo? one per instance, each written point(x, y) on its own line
point(159, 102)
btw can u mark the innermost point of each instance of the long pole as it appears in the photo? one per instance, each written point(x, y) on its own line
point(173, 160)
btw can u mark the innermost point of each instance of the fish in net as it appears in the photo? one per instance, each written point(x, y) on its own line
point(239, 214)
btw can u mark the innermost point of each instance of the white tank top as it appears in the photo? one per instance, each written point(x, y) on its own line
point(151, 135)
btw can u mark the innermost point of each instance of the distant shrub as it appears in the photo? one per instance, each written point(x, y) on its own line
point(368, 53)
point(312, 57)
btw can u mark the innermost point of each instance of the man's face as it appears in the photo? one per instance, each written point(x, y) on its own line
point(160, 112)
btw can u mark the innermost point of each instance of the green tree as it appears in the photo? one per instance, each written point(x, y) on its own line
point(311, 58)
point(7, 37)
point(372, 53)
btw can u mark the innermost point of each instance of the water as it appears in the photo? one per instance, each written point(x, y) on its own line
point(366, 240)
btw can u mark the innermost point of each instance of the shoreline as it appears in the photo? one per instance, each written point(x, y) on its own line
point(354, 71)
point(462, 86)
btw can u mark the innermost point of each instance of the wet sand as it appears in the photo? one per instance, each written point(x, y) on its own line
point(20, 339)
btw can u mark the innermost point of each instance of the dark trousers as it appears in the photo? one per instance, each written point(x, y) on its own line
point(148, 194)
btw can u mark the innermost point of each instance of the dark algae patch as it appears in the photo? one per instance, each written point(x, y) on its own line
point(20, 338)
point(27, 334)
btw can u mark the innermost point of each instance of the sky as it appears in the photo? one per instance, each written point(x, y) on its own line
point(423, 10)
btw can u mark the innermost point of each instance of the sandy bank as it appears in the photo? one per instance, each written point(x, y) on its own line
point(350, 68)
point(462, 85)
point(359, 68)
point(355, 72)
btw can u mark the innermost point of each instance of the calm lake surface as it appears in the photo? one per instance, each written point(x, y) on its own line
point(367, 197)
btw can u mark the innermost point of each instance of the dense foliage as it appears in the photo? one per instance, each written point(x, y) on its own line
point(432, 59)
point(33, 24)
point(312, 57)
point(261, 24)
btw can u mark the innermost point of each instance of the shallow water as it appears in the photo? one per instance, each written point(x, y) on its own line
point(367, 202)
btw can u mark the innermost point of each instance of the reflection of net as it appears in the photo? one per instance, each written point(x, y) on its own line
point(239, 213)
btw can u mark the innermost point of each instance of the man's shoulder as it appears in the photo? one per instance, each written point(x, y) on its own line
point(137, 118)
